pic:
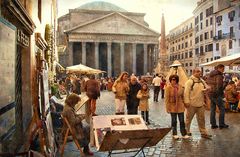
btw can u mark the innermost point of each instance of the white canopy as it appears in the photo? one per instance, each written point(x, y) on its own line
point(228, 60)
point(83, 69)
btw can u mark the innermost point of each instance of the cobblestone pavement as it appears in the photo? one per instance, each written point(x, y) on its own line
point(224, 143)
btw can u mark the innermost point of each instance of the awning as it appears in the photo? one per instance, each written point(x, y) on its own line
point(227, 61)
point(83, 69)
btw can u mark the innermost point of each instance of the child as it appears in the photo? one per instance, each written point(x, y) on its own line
point(143, 95)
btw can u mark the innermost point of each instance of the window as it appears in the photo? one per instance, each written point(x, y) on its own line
point(231, 15)
point(182, 56)
point(220, 34)
point(219, 20)
point(211, 21)
point(190, 42)
point(182, 45)
point(178, 56)
point(206, 48)
point(201, 50)
point(201, 37)
point(211, 34)
point(196, 40)
point(196, 28)
point(231, 32)
point(190, 64)
point(210, 47)
point(201, 26)
point(196, 20)
point(186, 44)
point(186, 64)
point(217, 46)
point(230, 44)
point(186, 55)
point(190, 54)
point(196, 50)
point(201, 16)
point(206, 22)
point(206, 35)
point(207, 59)
point(211, 59)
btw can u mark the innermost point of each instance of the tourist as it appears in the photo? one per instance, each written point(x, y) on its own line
point(121, 89)
point(175, 106)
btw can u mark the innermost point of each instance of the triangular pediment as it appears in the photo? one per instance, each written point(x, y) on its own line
point(114, 23)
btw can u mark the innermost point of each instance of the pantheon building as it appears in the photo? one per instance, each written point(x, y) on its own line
point(104, 36)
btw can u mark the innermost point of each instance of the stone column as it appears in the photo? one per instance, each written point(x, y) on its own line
point(84, 53)
point(70, 53)
point(96, 55)
point(122, 56)
point(145, 59)
point(109, 59)
point(134, 58)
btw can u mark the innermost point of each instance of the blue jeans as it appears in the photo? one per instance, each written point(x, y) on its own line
point(219, 102)
point(174, 123)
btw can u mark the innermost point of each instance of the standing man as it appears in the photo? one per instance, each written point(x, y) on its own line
point(215, 81)
point(156, 83)
point(132, 100)
point(92, 88)
point(194, 93)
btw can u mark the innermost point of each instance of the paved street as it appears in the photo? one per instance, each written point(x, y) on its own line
point(225, 142)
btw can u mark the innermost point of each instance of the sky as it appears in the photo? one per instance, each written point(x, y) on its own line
point(175, 11)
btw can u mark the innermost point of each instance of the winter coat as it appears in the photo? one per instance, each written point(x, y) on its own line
point(216, 84)
point(231, 94)
point(174, 104)
point(74, 120)
point(143, 103)
point(92, 88)
point(120, 88)
point(194, 92)
point(132, 100)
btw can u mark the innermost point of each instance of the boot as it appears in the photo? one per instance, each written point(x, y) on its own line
point(87, 151)
point(147, 117)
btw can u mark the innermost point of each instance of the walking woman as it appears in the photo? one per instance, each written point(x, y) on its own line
point(175, 106)
point(143, 95)
point(121, 89)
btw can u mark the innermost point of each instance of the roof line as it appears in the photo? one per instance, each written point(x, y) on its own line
point(98, 19)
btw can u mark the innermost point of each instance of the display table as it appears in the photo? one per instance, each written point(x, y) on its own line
point(123, 132)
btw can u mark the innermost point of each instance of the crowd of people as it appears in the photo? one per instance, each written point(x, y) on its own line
point(133, 92)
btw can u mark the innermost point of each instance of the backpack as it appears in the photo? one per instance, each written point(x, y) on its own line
point(200, 81)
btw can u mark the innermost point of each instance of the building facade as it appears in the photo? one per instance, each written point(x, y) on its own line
point(181, 45)
point(227, 31)
point(22, 38)
point(104, 36)
point(204, 28)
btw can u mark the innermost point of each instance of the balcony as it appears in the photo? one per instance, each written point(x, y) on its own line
point(225, 36)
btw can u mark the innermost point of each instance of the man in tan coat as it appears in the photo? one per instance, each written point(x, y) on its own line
point(194, 101)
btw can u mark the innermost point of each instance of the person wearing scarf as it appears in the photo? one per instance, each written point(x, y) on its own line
point(175, 106)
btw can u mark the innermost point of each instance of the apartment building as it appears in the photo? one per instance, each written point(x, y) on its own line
point(181, 44)
point(204, 26)
point(227, 29)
